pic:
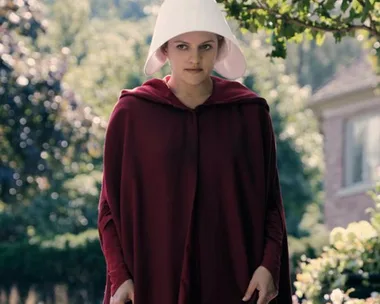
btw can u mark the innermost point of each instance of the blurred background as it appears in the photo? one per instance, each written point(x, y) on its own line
point(63, 64)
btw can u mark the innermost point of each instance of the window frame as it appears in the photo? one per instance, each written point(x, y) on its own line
point(347, 161)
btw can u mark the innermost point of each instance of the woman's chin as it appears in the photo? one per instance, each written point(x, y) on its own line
point(195, 78)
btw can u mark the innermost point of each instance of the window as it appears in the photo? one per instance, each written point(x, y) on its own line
point(362, 150)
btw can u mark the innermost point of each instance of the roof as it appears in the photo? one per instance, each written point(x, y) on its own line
point(358, 76)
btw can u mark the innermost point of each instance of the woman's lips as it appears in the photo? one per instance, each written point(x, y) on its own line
point(194, 71)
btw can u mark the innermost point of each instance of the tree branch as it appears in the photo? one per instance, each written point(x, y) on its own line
point(371, 22)
point(348, 28)
point(318, 27)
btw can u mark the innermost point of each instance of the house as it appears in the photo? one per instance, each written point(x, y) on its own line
point(348, 110)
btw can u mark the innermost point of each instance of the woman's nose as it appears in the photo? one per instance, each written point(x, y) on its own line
point(195, 57)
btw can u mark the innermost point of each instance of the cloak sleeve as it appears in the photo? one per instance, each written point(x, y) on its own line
point(275, 229)
point(109, 201)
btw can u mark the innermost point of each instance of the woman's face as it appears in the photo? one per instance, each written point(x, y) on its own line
point(192, 56)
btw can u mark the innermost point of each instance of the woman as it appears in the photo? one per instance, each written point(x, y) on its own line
point(190, 209)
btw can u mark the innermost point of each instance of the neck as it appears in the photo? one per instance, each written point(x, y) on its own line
point(192, 95)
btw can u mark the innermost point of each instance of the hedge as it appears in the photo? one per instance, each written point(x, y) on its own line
point(73, 260)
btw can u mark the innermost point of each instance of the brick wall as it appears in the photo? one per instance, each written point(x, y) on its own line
point(343, 206)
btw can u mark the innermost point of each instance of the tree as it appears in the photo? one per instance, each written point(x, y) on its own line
point(48, 137)
point(101, 61)
point(113, 61)
point(70, 18)
point(314, 65)
point(293, 21)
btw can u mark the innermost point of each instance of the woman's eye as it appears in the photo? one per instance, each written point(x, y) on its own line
point(181, 47)
point(206, 47)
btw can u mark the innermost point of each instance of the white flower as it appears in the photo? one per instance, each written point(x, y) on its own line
point(337, 234)
point(362, 229)
point(375, 294)
point(337, 296)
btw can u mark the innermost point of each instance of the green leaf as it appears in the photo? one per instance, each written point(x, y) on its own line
point(287, 30)
point(271, 3)
point(330, 4)
point(366, 10)
point(345, 5)
point(356, 5)
point(298, 37)
point(284, 9)
point(320, 38)
point(353, 15)
point(338, 37)
point(308, 34)
point(305, 5)
point(279, 47)
point(234, 9)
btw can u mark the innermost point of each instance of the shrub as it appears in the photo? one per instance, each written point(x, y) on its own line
point(351, 260)
point(337, 296)
point(73, 260)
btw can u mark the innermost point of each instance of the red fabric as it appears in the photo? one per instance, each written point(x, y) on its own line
point(190, 203)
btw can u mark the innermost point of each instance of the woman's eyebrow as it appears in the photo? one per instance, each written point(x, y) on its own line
point(181, 41)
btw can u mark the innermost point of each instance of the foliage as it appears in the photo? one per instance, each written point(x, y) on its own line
point(312, 244)
point(337, 296)
point(293, 21)
point(123, 9)
point(48, 137)
point(22, 17)
point(72, 18)
point(67, 259)
point(315, 64)
point(110, 61)
point(375, 211)
point(120, 9)
point(101, 61)
point(353, 253)
point(294, 179)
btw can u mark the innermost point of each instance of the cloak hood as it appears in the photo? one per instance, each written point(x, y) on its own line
point(224, 92)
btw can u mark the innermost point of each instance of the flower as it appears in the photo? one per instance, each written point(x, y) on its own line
point(337, 234)
point(375, 294)
point(363, 230)
point(337, 296)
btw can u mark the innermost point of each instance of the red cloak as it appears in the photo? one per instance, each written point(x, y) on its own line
point(190, 203)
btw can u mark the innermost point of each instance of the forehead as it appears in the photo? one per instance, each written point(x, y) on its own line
point(195, 37)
